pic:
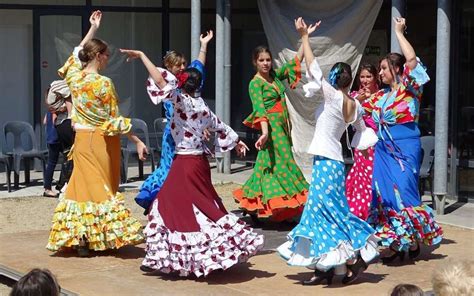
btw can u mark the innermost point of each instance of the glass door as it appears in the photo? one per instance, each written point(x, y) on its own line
point(55, 33)
point(59, 34)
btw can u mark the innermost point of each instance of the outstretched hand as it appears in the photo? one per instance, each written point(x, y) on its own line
point(205, 39)
point(241, 149)
point(303, 28)
point(95, 18)
point(131, 54)
point(313, 27)
point(400, 24)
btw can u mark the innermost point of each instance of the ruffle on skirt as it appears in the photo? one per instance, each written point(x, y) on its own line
point(277, 208)
point(410, 225)
point(219, 245)
point(337, 256)
point(106, 225)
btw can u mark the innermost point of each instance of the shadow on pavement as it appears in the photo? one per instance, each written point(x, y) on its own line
point(126, 252)
point(236, 274)
point(365, 277)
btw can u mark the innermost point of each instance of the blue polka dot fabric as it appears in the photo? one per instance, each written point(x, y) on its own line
point(154, 182)
point(327, 229)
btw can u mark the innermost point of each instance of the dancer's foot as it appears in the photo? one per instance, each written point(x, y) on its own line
point(83, 248)
point(414, 251)
point(319, 277)
point(394, 253)
point(354, 270)
point(49, 193)
point(146, 268)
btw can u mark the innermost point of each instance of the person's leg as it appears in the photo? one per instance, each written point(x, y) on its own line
point(53, 154)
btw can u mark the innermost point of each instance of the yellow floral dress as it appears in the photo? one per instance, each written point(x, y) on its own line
point(91, 208)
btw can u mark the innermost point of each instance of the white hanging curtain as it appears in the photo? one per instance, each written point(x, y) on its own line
point(342, 37)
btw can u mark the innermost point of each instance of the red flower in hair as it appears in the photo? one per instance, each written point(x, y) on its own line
point(182, 77)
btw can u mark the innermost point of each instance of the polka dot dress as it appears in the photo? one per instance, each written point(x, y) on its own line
point(327, 226)
point(359, 184)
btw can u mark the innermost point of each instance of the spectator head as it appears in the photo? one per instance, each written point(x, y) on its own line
point(37, 282)
point(454, 278)
point(407, 290)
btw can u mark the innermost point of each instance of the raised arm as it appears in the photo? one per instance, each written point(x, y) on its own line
point(407, 50)
point(204, 41)
point(94, 19)
point(305, 31)
point(155, 74)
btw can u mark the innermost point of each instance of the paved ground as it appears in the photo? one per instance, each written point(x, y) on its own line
point(116, 272)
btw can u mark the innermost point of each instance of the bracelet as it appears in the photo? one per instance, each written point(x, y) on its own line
point(203, 51)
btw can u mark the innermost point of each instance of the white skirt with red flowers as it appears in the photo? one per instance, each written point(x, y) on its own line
point(189, 230)
point(219, 245)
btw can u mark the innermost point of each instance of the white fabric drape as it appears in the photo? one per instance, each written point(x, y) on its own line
point(342, 37)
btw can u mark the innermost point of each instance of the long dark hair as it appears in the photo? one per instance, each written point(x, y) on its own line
point(372, 70)
point(256, 53)
point(394, 61)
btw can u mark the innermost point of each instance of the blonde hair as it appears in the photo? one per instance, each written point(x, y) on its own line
point(454, 278)
point(173, 58)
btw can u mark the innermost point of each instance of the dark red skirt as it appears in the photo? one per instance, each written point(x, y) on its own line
point(188, 183)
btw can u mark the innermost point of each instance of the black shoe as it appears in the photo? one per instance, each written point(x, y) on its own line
point(319, 277)
point(357, 268)
point(146, 268)
point(414, 253)
point(396, 254)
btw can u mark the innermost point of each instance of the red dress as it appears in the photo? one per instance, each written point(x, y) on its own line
point(359, 179)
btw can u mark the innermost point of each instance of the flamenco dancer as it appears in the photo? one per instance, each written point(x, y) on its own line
point(397, 213)
point(359, 178)
point(329, 235)
point(174, 62)
point(277, 189)
point(91, 214)
point(189, 230)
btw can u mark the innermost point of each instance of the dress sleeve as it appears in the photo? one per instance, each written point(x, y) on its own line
point(415, 78)
point(316, 82)
point(291, 71)
point(364, 137)
point(72, 66)
point(226, 138)
point(196, 64)
point(167, 93)
point(115, 124)
point(259, 112)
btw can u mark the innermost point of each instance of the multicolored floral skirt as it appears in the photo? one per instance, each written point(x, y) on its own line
point(328, 234)
point(91, 206)
point(189, 230)
point(359, 184)
point(397, 212)
point(277, 188)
